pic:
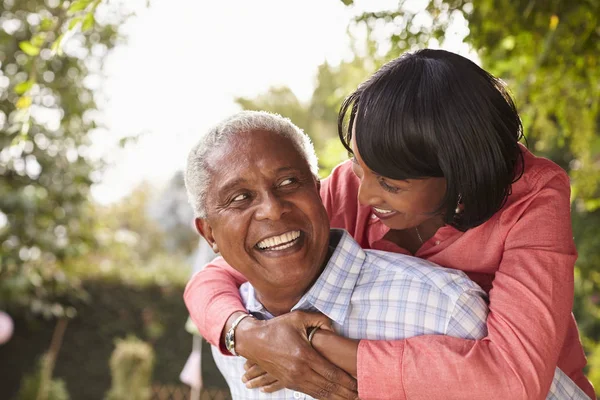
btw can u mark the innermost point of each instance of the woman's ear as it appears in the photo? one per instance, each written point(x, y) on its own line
point(205, 230)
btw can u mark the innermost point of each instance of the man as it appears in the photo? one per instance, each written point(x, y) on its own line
point(252, 181)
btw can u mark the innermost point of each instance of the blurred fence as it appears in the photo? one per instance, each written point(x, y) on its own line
point(182, 392)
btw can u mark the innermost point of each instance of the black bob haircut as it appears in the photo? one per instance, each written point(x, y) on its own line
point(433, 113)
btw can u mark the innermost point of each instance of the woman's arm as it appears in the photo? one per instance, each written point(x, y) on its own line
point(530, 306)
point(211, 297)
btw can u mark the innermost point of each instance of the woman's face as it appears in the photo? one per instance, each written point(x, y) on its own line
point(399, 204)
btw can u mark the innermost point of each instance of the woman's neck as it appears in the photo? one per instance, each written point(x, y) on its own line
point(412, 239)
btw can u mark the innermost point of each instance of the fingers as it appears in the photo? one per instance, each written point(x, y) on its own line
point(263, 380)
point(272, 387)
point(253, 372)
point(320, 388)
point(248, 364)
point(311, 319)
point(256, 377)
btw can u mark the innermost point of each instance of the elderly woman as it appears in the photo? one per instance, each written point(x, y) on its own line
point(252, 181)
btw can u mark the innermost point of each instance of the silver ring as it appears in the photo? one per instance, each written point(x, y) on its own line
point(312, 333)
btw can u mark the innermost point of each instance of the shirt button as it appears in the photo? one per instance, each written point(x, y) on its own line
point(437, 242)
point(298, 395)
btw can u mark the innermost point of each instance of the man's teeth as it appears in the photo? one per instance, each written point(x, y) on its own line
point(279, 242)
point(380, 211)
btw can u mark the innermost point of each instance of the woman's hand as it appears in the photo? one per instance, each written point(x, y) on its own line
point(280, 348)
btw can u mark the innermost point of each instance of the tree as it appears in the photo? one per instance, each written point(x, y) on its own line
point(51, 54)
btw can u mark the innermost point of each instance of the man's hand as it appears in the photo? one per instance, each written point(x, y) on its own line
point(256, 377)
point(280, 348)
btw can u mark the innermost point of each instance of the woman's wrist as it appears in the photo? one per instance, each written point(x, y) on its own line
point(338, 350)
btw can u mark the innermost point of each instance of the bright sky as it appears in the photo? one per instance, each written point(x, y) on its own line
point(185, 61)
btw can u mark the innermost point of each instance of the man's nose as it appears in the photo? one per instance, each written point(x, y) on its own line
point(271, 207)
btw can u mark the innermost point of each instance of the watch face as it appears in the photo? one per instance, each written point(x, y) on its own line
point(229, 343)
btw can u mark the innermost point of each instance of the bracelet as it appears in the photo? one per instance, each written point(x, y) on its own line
point(230, 335)
point(312, 333)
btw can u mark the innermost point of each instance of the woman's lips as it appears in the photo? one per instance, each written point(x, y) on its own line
point(382, 213)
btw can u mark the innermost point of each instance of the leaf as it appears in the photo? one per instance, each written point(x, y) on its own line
point(23, 87)
point(79, 5)
point(55, 47)
point(23, 102)
point(73, 23)
point(38, 40)
point(553, 22)
point(29, 48)
point(88, 22)
point(47, 24)
point(348, 2)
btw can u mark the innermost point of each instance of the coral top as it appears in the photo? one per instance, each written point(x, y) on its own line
point(523, 257)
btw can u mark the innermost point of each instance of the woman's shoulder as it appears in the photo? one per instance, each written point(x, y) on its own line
point(543, 186)
point(539, 174)
point(341, 186)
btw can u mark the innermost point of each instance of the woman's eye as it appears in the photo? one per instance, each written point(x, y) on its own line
point(240, 197)
point(388, 187)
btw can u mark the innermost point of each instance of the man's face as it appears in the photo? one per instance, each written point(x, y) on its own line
point(264, 211)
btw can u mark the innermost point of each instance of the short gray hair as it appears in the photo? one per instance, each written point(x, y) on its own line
point(196, 175)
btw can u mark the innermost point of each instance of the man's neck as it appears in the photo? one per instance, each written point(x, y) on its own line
point(284, 299)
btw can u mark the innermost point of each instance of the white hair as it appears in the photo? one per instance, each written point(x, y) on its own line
point(197, 177)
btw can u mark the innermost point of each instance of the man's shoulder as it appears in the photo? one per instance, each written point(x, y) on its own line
point(394, 269)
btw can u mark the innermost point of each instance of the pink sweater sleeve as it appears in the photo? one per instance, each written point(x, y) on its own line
point(530, 306)
point(211, 296)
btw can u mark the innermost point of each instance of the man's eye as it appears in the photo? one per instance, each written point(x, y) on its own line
point(240, 197)
point(286, 182)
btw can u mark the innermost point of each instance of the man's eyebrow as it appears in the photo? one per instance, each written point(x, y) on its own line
point(232, 184)
point(286, 169)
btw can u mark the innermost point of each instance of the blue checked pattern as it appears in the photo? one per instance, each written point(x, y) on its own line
point(371, 294)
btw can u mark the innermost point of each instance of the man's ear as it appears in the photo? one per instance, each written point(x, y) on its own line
point(205, 230)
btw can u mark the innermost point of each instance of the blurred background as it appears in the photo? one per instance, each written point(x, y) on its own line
point(100, 101)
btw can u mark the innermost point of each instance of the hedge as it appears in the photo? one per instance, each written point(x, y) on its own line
point(154, 314)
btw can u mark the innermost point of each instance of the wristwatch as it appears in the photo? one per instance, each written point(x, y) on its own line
point(230, 335)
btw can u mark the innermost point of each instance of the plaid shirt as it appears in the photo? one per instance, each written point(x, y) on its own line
point(371, 294)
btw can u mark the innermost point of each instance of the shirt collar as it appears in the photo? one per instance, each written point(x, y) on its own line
point(332, 291)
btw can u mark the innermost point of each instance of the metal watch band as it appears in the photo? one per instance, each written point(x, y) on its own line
point(230, 335)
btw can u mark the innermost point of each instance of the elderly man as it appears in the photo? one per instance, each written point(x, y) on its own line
point(252, 181)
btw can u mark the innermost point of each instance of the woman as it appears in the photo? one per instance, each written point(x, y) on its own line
point(439, 173)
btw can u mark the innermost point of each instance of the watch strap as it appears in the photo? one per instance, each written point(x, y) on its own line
point(230, 335)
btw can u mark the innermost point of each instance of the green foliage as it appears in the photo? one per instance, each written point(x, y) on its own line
point(30, 386)
point(46, 116)
point(131, 368)
point(594, 363)
point(154, 313)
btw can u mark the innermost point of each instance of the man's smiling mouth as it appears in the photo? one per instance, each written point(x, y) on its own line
point(280, 242)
